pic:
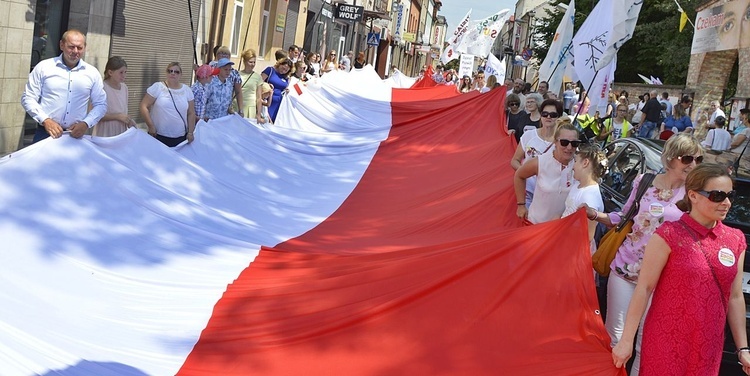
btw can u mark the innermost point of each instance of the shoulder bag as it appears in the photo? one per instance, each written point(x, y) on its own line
point(612, 240)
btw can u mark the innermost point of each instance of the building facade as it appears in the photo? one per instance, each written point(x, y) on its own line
point(150, 34)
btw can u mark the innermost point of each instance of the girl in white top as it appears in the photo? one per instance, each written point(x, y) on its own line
point(535, 143)
point(589, 167)
point(554, 172)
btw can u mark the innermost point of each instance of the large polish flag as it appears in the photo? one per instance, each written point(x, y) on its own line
point(370, 231)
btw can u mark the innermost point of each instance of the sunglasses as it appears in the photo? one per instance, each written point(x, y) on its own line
point(718, 196)
point(553, 115)
point(174, 71)
point(514, 104)
point(564, 143)
point(688, 159)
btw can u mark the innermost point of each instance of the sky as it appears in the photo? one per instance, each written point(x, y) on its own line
point(455, 10)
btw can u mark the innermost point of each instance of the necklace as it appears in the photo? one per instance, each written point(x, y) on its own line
point(664, 194)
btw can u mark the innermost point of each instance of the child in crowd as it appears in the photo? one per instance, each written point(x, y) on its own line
point(204, 73)
point(264, 101)
point(718, 139)
point(589, 167)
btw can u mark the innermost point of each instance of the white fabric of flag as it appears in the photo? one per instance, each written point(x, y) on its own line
point(495, 67)
point(589, 45)
point(624, 16)
point(481, 35)
point(450, 52)
point(121, 246)
point(552, 69)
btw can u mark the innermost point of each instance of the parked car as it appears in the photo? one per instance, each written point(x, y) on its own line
point(630, 157)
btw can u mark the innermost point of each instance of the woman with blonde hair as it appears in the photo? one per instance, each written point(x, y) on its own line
point(116, 120)
point(538, 141)
point(250, 82)
point(330, 63)
point(682, 153)
point(491, 84)
point(168, 109)
point(278, 77)
point(554, 176)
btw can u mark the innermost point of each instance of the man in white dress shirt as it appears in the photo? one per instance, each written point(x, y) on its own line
point(59, 90)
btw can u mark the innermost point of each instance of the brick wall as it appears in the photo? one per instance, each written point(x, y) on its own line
point(708, 74)
point(743, 82)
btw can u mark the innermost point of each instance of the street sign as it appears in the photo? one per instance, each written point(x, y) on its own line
point(527, 53)
point(349, 12)
point(399, 10)
point(373, 39)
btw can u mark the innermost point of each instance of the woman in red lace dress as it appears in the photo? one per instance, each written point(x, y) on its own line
point(693, 266)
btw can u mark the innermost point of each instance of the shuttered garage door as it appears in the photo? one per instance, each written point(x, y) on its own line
point(292, 14)
point(149, 35)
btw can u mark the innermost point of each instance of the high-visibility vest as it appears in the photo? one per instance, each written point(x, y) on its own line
point(588, 121)
point(625, 128)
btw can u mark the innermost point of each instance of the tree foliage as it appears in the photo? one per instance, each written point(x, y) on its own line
point(657, 48)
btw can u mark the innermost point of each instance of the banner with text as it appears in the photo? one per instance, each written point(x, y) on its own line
point(722, 27)
point(466, 68)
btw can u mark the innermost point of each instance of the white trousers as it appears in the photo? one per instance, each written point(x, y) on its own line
point(619, 292)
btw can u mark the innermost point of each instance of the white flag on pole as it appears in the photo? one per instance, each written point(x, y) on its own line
point(495, 67)
point(625, 16)
point(599, 93)
point(552, 69)
point(450, 52)
point(481, 35)
point(589, 45)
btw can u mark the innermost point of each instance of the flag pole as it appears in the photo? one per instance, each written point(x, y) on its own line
point(192, 32)
point(679, 8)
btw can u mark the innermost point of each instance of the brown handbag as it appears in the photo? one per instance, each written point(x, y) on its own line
point(612, 240)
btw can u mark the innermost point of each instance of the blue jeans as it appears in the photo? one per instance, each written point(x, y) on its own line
point(40, 134)
point(647, 129)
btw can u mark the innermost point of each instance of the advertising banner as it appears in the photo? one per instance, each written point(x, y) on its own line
point(722, 27)
point(349, 12)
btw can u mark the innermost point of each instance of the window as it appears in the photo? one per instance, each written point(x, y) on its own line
point(49, 25)
point(236, 27)
point(264, 27)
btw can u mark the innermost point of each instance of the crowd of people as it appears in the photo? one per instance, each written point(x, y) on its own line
point(169, 109)
point(677, 237)
point(677, 221)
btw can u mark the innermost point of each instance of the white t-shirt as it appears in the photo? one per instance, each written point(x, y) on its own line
point(532, 146)
point(577, 196)
point(739, 148)
point(167, 121)
point(718, 139)
point(716, 113)
point(590, 196)
point(553, 184)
